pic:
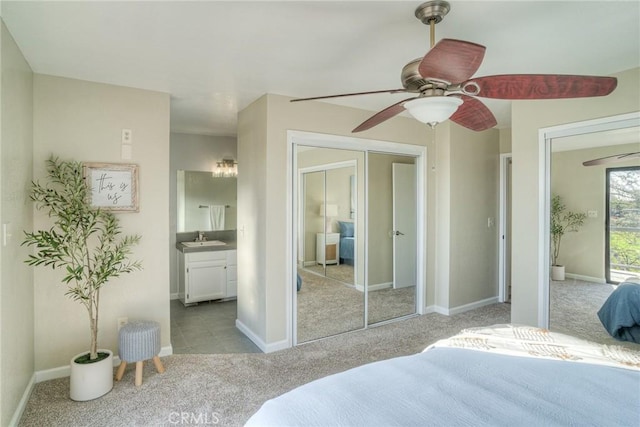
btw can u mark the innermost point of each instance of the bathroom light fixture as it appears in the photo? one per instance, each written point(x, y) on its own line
point(433, 109)
point(226, 168)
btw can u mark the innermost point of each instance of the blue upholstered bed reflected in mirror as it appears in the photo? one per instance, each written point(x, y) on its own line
point(332, 240)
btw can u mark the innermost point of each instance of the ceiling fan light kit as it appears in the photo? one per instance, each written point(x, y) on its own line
point(444, 87)
point(433, 109)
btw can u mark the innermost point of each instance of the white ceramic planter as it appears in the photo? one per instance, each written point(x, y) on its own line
point(557, 272)
point(92, 380)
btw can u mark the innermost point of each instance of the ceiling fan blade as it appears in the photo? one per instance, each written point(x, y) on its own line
point(452, 60)
point(611, 159)
point(349, 94)
point(381, 116)
point(542, 86)
point(474, 115)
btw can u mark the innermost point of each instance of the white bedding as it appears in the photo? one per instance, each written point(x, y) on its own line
point(470, 380)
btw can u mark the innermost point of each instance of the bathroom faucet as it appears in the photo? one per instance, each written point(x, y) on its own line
point(201, 237)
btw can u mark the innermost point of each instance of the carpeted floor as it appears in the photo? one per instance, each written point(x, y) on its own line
point(226, 389)
point(574, 307)
point(328, 307)
point(341, 272)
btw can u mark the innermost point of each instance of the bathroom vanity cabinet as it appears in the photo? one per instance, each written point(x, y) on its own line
point(207, 275)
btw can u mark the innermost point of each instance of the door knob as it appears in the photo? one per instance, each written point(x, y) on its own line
point(398, 233)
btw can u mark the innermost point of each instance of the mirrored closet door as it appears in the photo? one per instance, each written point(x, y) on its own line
point(590, 176)
point(391, 236)
point(328, 266)
point(356, 237)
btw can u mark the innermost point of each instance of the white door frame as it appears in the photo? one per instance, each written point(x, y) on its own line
point(545, 136)
point(502, 242)
point(295, 138)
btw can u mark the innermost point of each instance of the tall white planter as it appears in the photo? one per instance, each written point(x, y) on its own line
point(557, 272)
point(92, 380)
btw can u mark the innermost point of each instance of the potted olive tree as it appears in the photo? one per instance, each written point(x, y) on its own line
point(562, 221)
point(85, 243)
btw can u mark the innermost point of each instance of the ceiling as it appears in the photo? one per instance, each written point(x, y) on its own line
point(215, 58)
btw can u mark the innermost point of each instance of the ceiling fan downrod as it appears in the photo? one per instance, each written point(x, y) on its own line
point(430, 13)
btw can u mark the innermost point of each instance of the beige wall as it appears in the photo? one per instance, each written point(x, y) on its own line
point(527, 118)
point(474, 198)
point(583, 189)
point(81, 120)
point(253, 252)
point(505, 140)
point(16, 278)
point(264, 285)
point(275, 115)
point(467, 196)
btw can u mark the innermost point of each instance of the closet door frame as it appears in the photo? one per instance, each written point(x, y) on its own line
point(295, 138)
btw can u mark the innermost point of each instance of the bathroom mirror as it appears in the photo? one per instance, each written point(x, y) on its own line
point(205, 202)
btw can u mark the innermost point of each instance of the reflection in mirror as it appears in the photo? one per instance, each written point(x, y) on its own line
point(330, 299)
point(392, 237)
point(205, 202)
point(605, 249)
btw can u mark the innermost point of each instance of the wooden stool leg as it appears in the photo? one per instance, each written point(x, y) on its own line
point(120, 372)
point(139, 373)
point(158, 363)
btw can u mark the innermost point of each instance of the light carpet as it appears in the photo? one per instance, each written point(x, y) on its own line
point(328, 307)
point(226, 389)
point(574, 310)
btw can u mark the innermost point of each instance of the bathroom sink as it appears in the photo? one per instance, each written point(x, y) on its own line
point(205, 243)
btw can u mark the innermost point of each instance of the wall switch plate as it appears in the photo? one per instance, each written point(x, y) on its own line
point(127, 136)
point(490, 222)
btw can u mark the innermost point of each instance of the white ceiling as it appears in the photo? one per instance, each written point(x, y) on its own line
point(215, 58)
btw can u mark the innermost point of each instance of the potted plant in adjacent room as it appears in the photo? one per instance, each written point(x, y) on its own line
point(85, 243)
point(562, 221)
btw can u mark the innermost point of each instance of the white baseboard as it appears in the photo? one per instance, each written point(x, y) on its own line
point(429, 309)
point(65, 371)
point(585, 278)
point(461, 308)
point(266, 348)
point(174, 296)
point(376, 287)
point(23, 402)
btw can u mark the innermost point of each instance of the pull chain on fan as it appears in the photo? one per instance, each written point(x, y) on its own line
point(444, 88)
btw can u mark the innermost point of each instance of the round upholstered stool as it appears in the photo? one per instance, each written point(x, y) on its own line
point(139, 341)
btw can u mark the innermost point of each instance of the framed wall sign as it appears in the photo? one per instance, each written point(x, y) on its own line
point(112, 186)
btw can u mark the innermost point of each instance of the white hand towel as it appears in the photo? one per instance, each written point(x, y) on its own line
point(216, 215)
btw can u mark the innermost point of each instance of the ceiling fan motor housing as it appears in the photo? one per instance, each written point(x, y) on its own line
point(432, 11)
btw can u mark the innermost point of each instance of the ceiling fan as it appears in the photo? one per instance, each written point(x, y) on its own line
point(612, 159)
point(445, 88)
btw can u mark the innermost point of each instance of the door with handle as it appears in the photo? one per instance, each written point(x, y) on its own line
point(404, 225)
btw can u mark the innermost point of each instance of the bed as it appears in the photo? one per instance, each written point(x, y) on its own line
point(620, 313)
point(501, 375)
point(347, 242)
